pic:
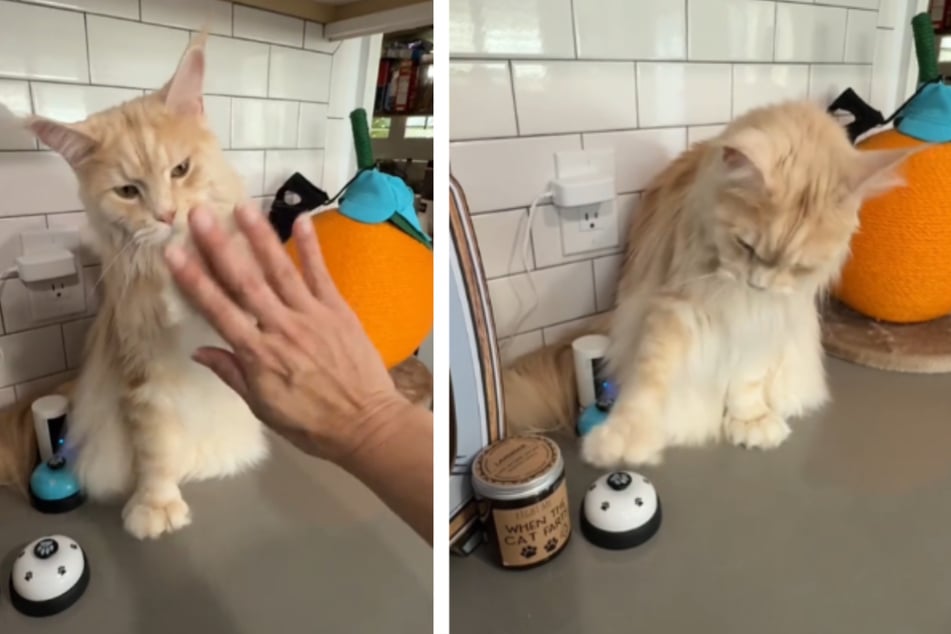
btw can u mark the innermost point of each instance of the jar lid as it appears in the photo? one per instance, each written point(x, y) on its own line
point(516, 467)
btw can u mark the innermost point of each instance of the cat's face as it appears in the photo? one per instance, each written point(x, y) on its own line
point(786, 242)
point(143, 165)
point(788, 196)
point(148, 169)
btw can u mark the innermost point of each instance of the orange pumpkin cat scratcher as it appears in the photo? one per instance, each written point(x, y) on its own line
point(384, 274)
point(378, 255)
point(900, 269)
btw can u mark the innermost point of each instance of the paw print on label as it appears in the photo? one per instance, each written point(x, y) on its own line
point(639, 501)
point(619, 480)
point(605, 506)
point(551, 545)
point(73, 546)
point(45, 548)
point(61, 571)
point(28, 576)
point(529, 551)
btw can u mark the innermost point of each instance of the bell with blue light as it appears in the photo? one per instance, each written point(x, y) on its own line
point(53, 485)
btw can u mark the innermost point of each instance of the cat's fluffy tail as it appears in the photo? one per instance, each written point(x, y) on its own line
point(540, 391)
point(18, 451)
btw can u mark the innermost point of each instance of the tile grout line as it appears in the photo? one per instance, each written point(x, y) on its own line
point(86, 38)
point(658, 61)
point(574, 28)
point(539, 269)
point(59, 82)
point(686, 29)
point(511, 69)
point(775, 28)
point(637, 104)
point(62, 340)
point(732, 97)
point(845, 40)
point(594, 285)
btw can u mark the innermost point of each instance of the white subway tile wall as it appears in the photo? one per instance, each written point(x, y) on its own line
point(645, 78)
point(271, 80)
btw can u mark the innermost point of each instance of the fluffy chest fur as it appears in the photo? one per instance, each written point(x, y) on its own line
point(140, 385)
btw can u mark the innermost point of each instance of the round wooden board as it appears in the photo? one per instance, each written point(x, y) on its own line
point(414, 381)
point(923, 348)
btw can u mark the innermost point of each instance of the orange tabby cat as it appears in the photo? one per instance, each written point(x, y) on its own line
point(716, 330)
point(144, 416)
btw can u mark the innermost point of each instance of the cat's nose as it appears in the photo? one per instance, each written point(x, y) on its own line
point(168, 217)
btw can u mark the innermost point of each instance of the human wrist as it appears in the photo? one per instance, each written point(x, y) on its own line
point(374, 425)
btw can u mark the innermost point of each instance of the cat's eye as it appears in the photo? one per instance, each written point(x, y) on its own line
point(181, 169)
point(127, 191)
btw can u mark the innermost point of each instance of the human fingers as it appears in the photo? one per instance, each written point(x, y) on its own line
point(277, 266)
point(209, 298)
point(238, 275)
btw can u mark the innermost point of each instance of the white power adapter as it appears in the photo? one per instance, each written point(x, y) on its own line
point(577, 191)
point(48, 264)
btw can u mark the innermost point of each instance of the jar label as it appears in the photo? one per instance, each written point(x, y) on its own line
point(515, 460)
point(534, 533)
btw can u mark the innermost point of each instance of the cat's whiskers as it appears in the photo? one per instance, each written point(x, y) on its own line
point(698, 278)
point(102, 275)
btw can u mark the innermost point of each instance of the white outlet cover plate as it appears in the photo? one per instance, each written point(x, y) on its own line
point(589, 228)
point(57, 298)
point(577, 233)
point(60, 298)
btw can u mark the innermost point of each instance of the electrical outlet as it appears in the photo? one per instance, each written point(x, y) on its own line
point(588, 228)
point(55, 298)
point(591, 227)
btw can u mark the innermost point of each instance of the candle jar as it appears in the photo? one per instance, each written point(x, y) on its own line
point(523, 499)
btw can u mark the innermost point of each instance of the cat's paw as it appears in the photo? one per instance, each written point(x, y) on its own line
point(150, 519)
point(616, 443)
point(764, 432)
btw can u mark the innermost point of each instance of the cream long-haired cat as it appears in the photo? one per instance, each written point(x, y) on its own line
point(715, 332)
point(145, 417)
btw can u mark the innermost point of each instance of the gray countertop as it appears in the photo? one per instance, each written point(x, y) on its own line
point(296, 546)
point(845, 528)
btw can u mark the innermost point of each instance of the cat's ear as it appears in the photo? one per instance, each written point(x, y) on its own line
point(876, 172)
point(182, 93)
point(68, 140)
point(740, 169)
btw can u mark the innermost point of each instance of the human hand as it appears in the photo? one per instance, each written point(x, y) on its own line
point(306, 367)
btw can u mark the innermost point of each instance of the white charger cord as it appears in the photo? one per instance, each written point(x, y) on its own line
point(526, 244)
